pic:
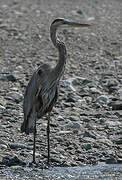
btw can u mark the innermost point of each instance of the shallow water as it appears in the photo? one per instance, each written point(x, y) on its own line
point(99, 172)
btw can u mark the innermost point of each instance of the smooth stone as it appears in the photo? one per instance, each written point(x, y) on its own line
point(85, 119)
point(111, 160)
point(118, 114)
point(16, 146)
point(2, 101)
point(71, 98)
point(60, 150)
point(102, 98)
point(74, 82)
point(3, 147)
point(96, 105)
point(11, 77)
point(60, 118)
point(10, 119)
point(112, 123)
point(74, 125)
point(59, 138)
point(54, 159)
point(119, 160)
point(117, 105)
point(67, 104)
point(74, 118)
point(118, 141)
point(119, 132)
point(70, 147)
point(2, 107)
point(94, 90)
point(15, 96)
point(89, 134)
point(87, 146)
point(53, 151)
point(64, 132)
point(7, 126)
point(79, 12)
point(105, 141)
point(4, 143)
point(38, 155)
point(12, 161)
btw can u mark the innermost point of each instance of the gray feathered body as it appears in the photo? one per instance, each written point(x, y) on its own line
point(40, 96)
point(42, 91)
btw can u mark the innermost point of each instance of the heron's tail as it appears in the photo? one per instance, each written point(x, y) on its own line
point(28, 125)
point(25, 128)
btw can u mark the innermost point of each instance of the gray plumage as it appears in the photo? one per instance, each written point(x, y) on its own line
point(42, 90)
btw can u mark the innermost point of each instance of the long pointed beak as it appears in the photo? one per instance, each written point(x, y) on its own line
point(75, 24)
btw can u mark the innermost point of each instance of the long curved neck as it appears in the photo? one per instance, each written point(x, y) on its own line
point(59, 68)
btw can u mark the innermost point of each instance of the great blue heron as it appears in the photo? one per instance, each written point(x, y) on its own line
point(42, 90)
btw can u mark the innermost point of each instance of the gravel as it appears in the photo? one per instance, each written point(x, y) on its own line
point(86, 122)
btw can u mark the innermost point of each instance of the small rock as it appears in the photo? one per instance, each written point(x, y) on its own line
point(74, 125)
point(54, 159)
point(105, 141)
point(15, 96)
point(3, 147)
point(53, 151)
point(111, 160)
point(96, 105)
point(74, 118)
point(119, 132)
point(59, 138)
point(2, 107)
point(118, 114)
point(89, 134)
point(119, 160)
point(75, 82)
point(60, 118)
point(79, 12)
point(118, 141)
point(66, 104)
point(11, 77)
point(60, 150)
point(102, 98)
point(4, 143)
point(21, 146)
point(70, 98)
point(70, 147)
point(86, 146)
point(86, 119)
point(117, 105)
point(64, 132)
point(112, 123)
point(94, 90)
point(12, 161)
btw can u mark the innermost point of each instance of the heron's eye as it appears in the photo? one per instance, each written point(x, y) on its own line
point(57, 21)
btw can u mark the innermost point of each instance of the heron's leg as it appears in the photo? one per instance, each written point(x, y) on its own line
point(48, 137)
point(34, 138)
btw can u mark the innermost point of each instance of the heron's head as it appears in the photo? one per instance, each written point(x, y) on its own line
point(57, 22)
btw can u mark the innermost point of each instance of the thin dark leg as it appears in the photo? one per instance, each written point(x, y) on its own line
point(48, 137)
point(34, 139)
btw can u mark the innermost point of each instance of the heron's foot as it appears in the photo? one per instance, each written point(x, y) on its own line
point(33, 164)
point(48, 160)
point(48, 163)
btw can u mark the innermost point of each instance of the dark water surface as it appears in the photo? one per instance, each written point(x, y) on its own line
point(99, 172)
